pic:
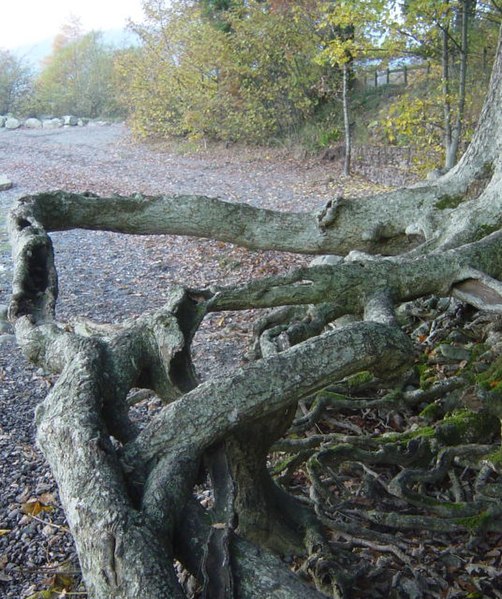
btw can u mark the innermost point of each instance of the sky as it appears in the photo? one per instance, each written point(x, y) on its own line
point(25, 22)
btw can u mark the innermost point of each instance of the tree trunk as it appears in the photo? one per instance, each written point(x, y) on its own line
point(447, 117)
point(127, 494)
point(346, 120)
point(455, 131)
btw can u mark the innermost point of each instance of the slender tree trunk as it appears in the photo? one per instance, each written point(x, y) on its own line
point(456, 130)
point(446, 83)
point(346, 120)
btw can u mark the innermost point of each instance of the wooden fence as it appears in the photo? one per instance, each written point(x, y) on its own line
point(389, 76)
point(402, 75)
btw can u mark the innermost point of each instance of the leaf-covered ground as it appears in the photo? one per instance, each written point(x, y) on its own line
point(355, 440)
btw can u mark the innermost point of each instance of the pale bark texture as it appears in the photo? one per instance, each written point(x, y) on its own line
point(129, 495)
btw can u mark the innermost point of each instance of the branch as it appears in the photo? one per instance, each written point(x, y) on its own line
point(351, 284)
point(215, 408)
point(244, 225)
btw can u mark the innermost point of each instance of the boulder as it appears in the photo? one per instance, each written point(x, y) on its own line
point(70, 120)
point(2, 120)
point(5, 183)
point(33, 123)
point(82, 122)
point(52, 123)
point(12, 123)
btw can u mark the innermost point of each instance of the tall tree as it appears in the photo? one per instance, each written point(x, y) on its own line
point(254, 81)
point(16, 81)
point(78, 76)
point(443, 33)
point(356, 31)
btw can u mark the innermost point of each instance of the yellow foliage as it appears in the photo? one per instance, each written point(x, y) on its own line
point(248, 82)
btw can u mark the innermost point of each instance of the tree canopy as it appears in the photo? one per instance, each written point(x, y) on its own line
point(15, 82)
point(78, 77)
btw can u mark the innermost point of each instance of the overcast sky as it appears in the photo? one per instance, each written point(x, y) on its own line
point(24, 22)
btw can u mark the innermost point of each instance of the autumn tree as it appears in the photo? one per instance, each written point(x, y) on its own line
point(128, 493)
point(355, 33)
point(78, 77)
point(455, 38)
point(249, 78)
point(16, 81)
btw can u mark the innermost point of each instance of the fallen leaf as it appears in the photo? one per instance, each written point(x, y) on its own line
point(34, 507)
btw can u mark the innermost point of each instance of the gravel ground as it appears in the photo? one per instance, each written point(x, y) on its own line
point(108, 277)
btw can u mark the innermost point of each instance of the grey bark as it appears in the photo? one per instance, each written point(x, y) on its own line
point(124, 492)
point(346, 120)
point(453, 130)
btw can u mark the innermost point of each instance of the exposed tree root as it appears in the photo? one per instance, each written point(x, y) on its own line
point(426, 451)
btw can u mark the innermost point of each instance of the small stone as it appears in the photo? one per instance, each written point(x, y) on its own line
point(443, 304)
point(327, 259)
point(421, 331)
point(458, 354)
point(48, 530)
point(5, 183)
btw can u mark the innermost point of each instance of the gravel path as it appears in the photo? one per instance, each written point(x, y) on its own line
point(108, 277)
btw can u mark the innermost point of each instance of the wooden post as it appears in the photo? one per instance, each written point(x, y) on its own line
point(376, 78)
point(387, 75)
point(405, 71)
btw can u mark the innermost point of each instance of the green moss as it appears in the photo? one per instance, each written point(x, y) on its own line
point(394, 396)
point(491, 379)
point(427, 375)
point(495, 458)
point(447, 201)
point(359, 379)
point(474, 523)
point(465, 426)
point(459, 427)
point(431, 412)
point(484, 230)
point(424, 431)
point(488, 170)
point(283, 464)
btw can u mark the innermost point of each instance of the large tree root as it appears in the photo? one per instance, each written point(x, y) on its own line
point(128, 494)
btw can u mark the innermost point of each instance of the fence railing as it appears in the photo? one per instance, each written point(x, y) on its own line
point(399, 76)
point(402, 75)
